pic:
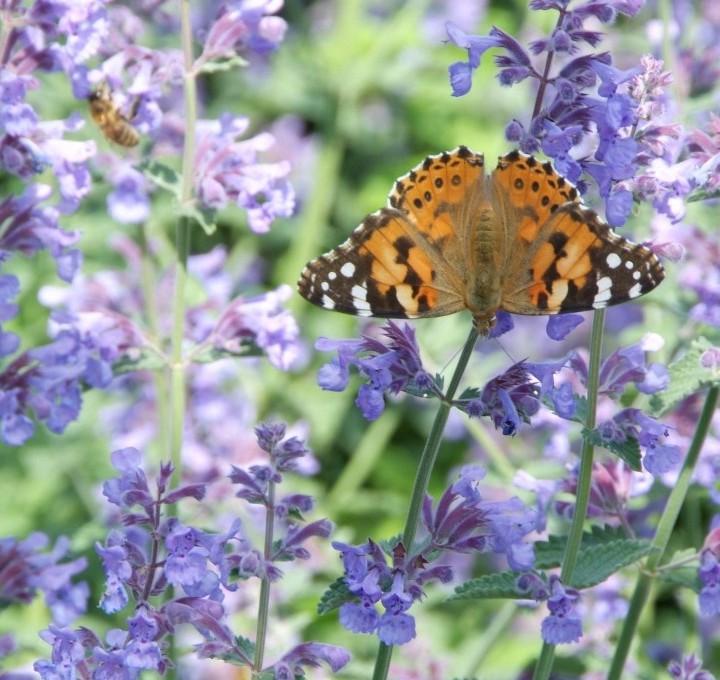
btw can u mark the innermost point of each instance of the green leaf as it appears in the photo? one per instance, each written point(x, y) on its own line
point(598, 563)
point(335, 596)
point(687, 577)
point(550, 553)
point(469, 393)
point(217, 65)
point(499, 585)
point(246, 646)
point(162, 176)
point(629, 450)
point(205, 217)
point(246, 649)
point(687, 376)
point(144, 361)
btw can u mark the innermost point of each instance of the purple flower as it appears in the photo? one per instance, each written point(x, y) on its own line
point(514, 64)
point(659, 458)
point(118, 572)
point(709, 574)
point(508, 399)
point(261, 320)
point(393, 366)
point(310, 654)
point(24, 569)
point(228, 170)
point(610, 491)
point(243, 25)
point(463, 522)
point(689, 669)
point(562, 625)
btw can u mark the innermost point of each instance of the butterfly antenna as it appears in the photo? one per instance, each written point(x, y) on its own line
point(502, 347)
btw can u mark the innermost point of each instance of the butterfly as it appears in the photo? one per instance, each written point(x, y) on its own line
point(453, 237)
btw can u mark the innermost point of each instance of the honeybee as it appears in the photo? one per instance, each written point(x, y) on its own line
point(108, 117)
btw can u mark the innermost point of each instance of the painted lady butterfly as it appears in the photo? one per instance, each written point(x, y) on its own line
point(454, 238)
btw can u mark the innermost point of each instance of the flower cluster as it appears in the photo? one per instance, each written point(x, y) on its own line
point(461, 522)
point(586, 97)
point(508, 399)
point(155, 552)
point(689, 669)
point(394, 367)
point(26, 567)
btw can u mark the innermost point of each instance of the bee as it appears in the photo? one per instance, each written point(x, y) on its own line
point(108, 117)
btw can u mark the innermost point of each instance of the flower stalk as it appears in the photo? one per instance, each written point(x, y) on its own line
point(422, 477)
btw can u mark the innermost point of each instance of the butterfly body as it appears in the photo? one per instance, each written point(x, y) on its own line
point(453, 237)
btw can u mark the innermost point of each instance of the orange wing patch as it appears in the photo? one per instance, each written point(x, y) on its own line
point(534, 189)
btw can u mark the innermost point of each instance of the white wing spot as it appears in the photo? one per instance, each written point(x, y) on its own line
point(629, 264)
point(325, 285)
point(347, 270)
point(327, 302)
point(604, 292)
point(636, 275)
point(635, 291)
point(613, 260)
point(360, 302)
point(332, 276)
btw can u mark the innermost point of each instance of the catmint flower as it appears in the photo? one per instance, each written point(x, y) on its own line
point(25, 569)
point(461, 521)
point(309, 654)
point(610, 490)
point(562, 625)
point(709, 574)
point(393, 365)
point(561, 325)
point(261, 320)
point(628, 365)
point(508, 399)
point(227, 170)
point(244, 25)
point(689, 669)
point(142, 652)
point(658, 458)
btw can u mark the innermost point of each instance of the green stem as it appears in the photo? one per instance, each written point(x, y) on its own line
point(662, 535)
point(582, 497)
point(422, 477)
point(264, 604)
point(177, 366)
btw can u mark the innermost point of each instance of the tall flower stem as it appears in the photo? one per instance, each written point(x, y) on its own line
point(264, 604)
point(422, 477)
point(582, 498)
point(662, 535)
point(182, 238)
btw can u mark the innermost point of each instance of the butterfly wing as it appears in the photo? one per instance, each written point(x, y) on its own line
point(565, 259)
point(406, 260)
point(577, 264)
